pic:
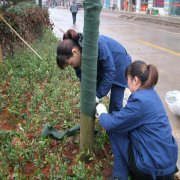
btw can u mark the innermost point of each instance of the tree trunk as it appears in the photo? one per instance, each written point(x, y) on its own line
point(40, 26)
point(1, 54)
point(92, 9)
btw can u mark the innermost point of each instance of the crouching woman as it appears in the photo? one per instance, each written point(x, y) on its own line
point(140, 133)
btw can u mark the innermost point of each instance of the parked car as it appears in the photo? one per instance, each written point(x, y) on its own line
point(79, 5)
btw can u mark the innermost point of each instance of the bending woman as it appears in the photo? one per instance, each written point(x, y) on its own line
point(111, 64)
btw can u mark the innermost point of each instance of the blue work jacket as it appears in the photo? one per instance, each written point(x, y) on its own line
point(111, 65)
point(74, 8)
point(145, 121)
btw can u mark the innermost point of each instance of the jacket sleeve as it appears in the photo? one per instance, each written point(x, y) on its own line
point(129, 118)
point(109, 71)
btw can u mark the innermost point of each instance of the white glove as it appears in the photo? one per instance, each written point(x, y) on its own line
point(100, 108)
point(97, 100)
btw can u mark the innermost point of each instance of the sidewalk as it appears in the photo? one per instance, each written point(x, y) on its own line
point(159, 19)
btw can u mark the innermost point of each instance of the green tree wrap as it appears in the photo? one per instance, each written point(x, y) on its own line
point(92, 9)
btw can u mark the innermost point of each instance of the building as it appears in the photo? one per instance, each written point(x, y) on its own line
point(154, 7)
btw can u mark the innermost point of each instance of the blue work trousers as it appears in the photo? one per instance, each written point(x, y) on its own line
point(119, 145)
point(116, 98)
point(124, 162)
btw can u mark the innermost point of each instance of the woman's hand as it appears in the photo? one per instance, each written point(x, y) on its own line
point(100, 108)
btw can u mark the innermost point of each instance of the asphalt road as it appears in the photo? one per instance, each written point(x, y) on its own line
point(150, 42)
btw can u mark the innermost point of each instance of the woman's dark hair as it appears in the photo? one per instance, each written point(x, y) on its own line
point(148, 74)
point(71, 39)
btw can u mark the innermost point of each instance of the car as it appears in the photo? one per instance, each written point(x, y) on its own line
point(80, 5)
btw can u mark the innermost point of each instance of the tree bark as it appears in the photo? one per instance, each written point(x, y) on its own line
point(92, 9)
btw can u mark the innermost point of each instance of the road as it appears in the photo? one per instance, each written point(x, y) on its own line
point(152, 43)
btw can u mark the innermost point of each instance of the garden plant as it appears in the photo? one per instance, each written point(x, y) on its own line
point(34, 93)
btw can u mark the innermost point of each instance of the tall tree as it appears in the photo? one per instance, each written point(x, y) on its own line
point(92, 9)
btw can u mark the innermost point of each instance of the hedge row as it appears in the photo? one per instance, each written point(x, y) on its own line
point(28, 20)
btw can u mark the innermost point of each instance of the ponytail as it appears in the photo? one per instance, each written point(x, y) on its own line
point(74, 36)
point(153, 76)
point(70, 34)
point(147, 74)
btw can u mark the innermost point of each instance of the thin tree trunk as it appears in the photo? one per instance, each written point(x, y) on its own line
point(92, 9)
point(40, 27)
point(1, 54)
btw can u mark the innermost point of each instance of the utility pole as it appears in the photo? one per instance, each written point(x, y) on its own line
point(130, 5)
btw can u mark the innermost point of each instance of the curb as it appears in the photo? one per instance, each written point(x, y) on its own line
point(163, 20)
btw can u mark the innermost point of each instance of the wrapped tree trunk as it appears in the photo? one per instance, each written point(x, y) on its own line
point(92, 9)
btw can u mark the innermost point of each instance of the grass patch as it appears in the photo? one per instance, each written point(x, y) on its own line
point(34, 93)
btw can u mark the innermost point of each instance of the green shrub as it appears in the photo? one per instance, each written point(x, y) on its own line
point(27, 19)
point(21, 7)
point(34, 93)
